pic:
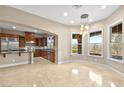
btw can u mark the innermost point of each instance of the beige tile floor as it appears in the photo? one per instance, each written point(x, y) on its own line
point(43, 73)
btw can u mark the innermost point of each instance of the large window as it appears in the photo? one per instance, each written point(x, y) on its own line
point(95, 43)
point(76, 44)
point(116, 42)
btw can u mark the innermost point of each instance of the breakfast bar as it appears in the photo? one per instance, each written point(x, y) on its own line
point(14, 58)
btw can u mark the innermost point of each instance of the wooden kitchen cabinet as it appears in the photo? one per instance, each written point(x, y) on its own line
point(41, 42)
point(21, 41)
point(41, 53)
point(52, 56)
point(45, 41)
point(37, 53)
point(29, 36)
point(49, 55)
point(9, 35)
point(38, 42)
point(0, 44)
point(44, 54)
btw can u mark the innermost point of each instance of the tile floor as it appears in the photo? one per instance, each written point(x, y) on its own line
point(45, 74)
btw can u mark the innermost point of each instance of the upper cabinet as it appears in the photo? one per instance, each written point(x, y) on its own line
point(29, 36)
point(0, 44)
point(41, 41)
point(21, 41)
point(44, 41)
point(9, 35)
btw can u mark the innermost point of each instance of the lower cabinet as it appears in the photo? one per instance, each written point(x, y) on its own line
point(37, 53)
point(49, 55)
point(52, 56)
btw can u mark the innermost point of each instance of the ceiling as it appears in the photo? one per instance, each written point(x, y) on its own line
point(56, 12)
point(19, 28)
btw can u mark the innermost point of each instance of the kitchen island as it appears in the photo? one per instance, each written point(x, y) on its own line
point(12, 58)
point(48, 54)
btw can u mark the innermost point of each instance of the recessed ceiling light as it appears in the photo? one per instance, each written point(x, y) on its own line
point(103, 6)
point(90, 20)
point(14, 27)
point(72, 22)
point(65, 14)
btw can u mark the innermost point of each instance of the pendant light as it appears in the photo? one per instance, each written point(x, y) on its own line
point(84, 24)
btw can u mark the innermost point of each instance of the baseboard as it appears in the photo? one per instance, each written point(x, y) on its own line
point(66, 61)
point(14, 64)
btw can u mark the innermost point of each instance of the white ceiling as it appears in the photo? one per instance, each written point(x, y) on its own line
point(55, 12)
point(20, 28)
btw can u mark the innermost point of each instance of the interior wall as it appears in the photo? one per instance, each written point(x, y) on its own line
point(12, 15)
point(116, 16)
point(103, 24)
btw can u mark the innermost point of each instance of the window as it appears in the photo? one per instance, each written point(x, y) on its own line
point(95, 43)
point(76, 45)
point(116, 42)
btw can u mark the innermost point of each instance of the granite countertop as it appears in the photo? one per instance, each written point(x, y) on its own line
point(25, 51)
point(13, 52)
point(49, 50)
point(45, 49)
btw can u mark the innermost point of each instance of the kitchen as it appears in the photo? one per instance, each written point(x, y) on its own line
point(21, 45)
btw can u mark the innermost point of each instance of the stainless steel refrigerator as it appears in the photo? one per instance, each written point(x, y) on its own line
point(13, 44)
point(4, 44)
point(9, 44)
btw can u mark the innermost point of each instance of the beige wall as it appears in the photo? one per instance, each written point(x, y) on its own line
point(12, 15)
point(103, 24)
